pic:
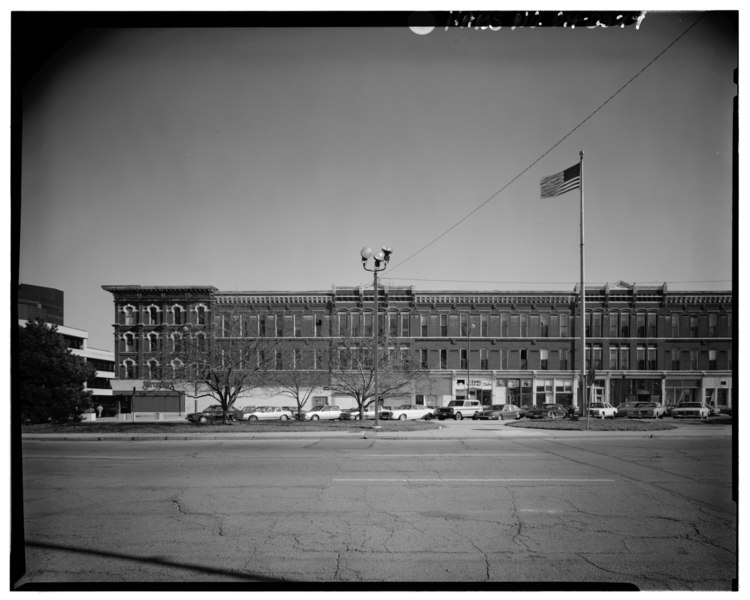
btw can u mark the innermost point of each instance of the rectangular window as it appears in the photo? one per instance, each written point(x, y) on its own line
point(625, 358)
point(297, 319)
point(564, 325)
point(343, 322)
point(262, 326)
point(524, 359)
point(297, 359)
point(463, 319)
point(279, 360)
point(524, 332)
point(544, 325)
point(279, 325)
point(613, 328)
point(405, 329)
point(443, 358)
point(712, 360)
point(503, 359)
point(651, 324)
point(544, 359)
point(675, 326)
point(693, 360)
point(423, 360)
point(483, 359)
point(614, 354)
point(712, 321)
point(464, 359)
point(393, 325)
point(444, 326)
point(424, 325)
point(641, 357)
point(651, 360)
point(504, 325)
point(640, 319)
point(596, 324)
point(564, 359)
point(624, 324)
point(675, 356)
point(484, 325)
point(368, 324)
point(693, 326)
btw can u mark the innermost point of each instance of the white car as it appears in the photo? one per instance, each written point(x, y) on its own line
point(691, 410)
point(268, 413)
point(323, 413)
point(409, 411)
point(603, 410)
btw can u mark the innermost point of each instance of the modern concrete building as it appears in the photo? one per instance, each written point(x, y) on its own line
point(499, 346)
point(47, 304)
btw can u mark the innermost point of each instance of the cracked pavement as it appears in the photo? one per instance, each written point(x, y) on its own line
point(656, 514)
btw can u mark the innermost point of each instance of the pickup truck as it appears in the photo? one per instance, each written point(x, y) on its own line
point(459, 409)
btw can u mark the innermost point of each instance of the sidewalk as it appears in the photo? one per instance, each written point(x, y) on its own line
point(447, 431)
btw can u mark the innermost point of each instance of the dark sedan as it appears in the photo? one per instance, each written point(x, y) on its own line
point(499, 412)
point(548, 411)
point(214, 414)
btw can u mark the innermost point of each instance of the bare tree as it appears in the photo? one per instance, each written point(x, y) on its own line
point(219, 362)
point(351, 370)
point(299, 379)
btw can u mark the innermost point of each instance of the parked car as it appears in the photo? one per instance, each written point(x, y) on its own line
point(687, 410)
point(246, 410)
point(327, 413)
point(409, 411)
point(499, 411)
point(650, 410)
point(214, 414)
point(269, 413)
point(626, 409)
point(458, 409)
point(548, 411)
point(602, 410)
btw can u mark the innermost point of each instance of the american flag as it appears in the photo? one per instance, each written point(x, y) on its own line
point(559, 183)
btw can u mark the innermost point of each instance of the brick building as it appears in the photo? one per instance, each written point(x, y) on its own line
point(513, 347)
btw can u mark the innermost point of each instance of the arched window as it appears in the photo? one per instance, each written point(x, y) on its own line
point(153, 315)
point(154, 372)
point(178, 368)
point(154, 342)
point(201, 315)
point(200, 341)
point(176, 342)
point(129, 315)
point(128, 369)
point(177, 315)
point(128, 343)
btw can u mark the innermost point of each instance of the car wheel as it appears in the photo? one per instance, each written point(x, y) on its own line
point(551, 415)
point(428, 417)
point(252, 418)
point(458, 417)
point(402, 417)
point(283, 418)
point(314, 418)
point(204, 419)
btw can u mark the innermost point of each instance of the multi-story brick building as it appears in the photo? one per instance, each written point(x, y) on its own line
point(515, 347)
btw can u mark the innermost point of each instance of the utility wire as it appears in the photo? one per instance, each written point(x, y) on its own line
point(555, 145)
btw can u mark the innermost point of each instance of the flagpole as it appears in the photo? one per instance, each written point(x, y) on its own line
point(584, 387)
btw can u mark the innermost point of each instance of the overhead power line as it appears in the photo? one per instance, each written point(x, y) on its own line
point(551, 148)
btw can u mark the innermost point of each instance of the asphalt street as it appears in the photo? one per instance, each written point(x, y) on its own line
point(478, 506)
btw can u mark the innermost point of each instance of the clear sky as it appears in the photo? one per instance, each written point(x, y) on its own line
point(265, 158)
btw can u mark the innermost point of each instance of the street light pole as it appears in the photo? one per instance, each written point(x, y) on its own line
point(380, 261)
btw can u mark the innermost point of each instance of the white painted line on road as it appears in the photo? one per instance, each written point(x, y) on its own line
point(445, 455)
point(87, 457)
point(469, 480)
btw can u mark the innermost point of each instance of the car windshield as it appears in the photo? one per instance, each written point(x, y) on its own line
point(597, 405)
point(495, 407)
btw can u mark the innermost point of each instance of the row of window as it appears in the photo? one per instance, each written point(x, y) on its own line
point(618, 359)
point(154, 315)
point(613, 324)
point(618, 324)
